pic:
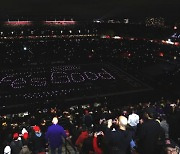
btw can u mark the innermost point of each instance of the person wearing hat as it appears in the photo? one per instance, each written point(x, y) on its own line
point(38, 140)
point(16, 144)
point(7, 150)
point(25, 137)
point(24, 131)
point(54, 136)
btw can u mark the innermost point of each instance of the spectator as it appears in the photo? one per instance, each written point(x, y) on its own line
point(80, 140)
point(16, 144)
point(165, 125)
point(98, 145)
point(133, 121)
point(54, 136)
point(87, 147)
point(173, 120)
point(87, 119)
point(25, 139)
point(149, 133)
point(120, 139)
point(38, 140)
point(25, 150)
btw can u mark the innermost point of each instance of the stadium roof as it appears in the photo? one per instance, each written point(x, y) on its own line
point(94, 9)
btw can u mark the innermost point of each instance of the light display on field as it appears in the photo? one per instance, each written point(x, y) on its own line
point(60, 77)
point(69, 81)
point(54, 76)
point(176, 35)
point(18, 83)
point(38, 82)
point(91, 75)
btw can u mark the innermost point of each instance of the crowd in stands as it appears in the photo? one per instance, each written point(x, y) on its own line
point(86, 49)
point(144, 128)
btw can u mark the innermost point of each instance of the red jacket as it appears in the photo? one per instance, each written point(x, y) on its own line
point(95, 146)
point(82, 137)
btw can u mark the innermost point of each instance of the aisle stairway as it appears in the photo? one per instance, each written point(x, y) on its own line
point(67, 148)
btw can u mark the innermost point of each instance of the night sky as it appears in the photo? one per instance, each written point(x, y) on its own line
point(91, 9)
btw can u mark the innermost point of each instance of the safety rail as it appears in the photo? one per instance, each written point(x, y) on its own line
point(68, 142)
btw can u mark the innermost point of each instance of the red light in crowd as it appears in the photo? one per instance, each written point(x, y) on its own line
point(67, 132)
point(161, 54)
point(176, 43)
point(17, 23)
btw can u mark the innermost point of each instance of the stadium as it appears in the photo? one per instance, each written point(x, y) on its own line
point(57, 67)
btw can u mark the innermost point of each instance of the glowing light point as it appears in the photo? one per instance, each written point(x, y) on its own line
point(161, 54)
point(175, 27)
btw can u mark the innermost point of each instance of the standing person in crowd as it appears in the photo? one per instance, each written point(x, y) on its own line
point(164, 124)
point(25, 137)
point(87, 119)
point(97, 145)
point(150, 133)
point(119, 140)
point(16, 144)
point(173, 121)
point(133, 121)
point(83, 135)
point(54, 136)
point(38, 140)
point(26, 145)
